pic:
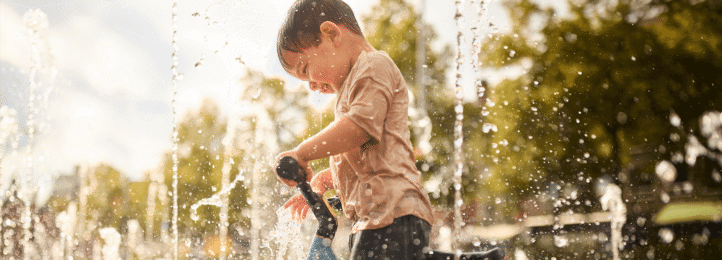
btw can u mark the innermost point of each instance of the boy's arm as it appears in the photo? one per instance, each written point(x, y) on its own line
point(338, 137)
point(322, 182)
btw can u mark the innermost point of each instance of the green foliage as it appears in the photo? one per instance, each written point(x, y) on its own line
point(199, 165)
point(391, 27)
point(597, 99)
point(106, 196)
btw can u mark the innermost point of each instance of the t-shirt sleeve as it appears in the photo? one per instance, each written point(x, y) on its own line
point(369, 102)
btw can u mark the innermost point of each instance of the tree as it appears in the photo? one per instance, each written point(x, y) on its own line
point(200, 160)
point(604, 96)
point(602, 87)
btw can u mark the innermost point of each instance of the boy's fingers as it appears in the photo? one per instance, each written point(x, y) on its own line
point(305, 211)
point(288, 204)
point(299, 212)
point(309, 174)
point(293, 201)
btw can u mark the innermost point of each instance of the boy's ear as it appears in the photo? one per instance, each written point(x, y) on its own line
point(332, 31)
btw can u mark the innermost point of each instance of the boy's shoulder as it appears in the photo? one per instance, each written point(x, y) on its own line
point(378, 58)
point(378, 65)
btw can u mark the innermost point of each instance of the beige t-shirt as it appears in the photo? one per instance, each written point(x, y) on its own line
point(378, 181)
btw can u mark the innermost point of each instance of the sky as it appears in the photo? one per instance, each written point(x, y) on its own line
point(110, 97)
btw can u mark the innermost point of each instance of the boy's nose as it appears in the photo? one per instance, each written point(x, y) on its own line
point(313, 86)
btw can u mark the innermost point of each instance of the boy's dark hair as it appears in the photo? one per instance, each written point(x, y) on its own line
point(303, 21)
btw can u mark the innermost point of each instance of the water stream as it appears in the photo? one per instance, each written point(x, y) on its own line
point(174, 80)
point(458, 130)
point(612, 201)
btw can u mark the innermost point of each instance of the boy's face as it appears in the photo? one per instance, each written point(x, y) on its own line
point(324, 67)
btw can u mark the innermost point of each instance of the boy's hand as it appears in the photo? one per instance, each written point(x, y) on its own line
point(298, 207)
point(320, 183)
point(306, 168)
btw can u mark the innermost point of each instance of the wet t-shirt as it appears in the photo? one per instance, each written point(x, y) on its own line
point(378, 181)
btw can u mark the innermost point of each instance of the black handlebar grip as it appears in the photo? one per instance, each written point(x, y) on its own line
point(288, 169)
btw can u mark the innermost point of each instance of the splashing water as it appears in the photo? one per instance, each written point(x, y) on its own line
point(458, 131)
point(42, 77)
point(612, 201)
point(220, 199)
point(174, 79)
point(285, 235)
point(666, 172)
point(421, 119)
point(477, 41)
point(711, 127)
point(8, 130)
point(215, 200)
point(111, 237)
point(65, 221)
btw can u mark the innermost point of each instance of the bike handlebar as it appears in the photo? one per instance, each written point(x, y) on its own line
point(289, 169)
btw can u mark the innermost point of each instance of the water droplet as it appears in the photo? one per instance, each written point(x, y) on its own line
point(476, 241)
point(687, 187)
point(666, 235)
point(675, 120)
point(666, 171)
point(665, 198)
point(417, 242)
point(489, 127)
point(716, 176)
point(622, 118)
point(641, 221)
point(561, 241)
point(257, 94)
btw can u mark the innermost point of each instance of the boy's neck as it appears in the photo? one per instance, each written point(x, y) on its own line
point(358, 45)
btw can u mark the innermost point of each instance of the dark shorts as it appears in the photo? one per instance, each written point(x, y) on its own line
point(405, 238)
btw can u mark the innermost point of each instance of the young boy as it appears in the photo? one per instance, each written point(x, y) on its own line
point(372, 164)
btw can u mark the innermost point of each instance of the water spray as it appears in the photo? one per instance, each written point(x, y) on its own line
point(174, 82)
point(458, 131)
